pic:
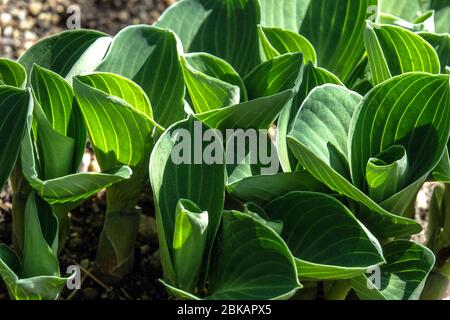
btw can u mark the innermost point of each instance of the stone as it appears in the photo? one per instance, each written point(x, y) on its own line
point(35, 8)
point(147, 230)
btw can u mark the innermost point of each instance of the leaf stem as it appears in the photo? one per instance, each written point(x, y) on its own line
point(339, 290)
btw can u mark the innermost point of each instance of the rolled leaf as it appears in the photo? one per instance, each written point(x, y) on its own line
point(323, 122)
point(189, 243)
point(326, 156)
point(422, 23)
point(386, 173)
point(409, 110)
point(178, 171)
point(37, 277)
point(111, 118)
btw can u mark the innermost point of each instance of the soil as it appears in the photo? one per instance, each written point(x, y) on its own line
point(87, 221)
point(23, 22)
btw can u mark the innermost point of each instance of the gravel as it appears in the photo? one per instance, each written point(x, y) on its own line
point(22, 23)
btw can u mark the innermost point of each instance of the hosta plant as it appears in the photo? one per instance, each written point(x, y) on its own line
point(348, 101)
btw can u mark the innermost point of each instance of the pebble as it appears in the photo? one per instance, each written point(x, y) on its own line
point(90, 293)
point(145, 249)
point(85, 263)
point(35, 7)
point(155, 261)
point(147, 230)
point(35, 19)
point(75, 243)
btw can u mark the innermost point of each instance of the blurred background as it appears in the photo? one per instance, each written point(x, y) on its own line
point(23, 22)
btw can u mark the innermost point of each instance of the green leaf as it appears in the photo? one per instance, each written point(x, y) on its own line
point(251, 262)
point(339, 44)
point(318, 139)
point(411, 10)
point(262, 189)
point(323, 234)
point(68, 53)
point(65, 187)
point(422, 23)
point(253, 170)
point(405, 9)
point(179, 293)
point(394, 51)
point(216, 68)
point(259, 214)
point(56, 119)
point(323, 122)
point(442, 171)
point(12, 74)
point(378, 64)
point(37, 277)
point(113, 118)
point(122, 134)
point(208, 92)
point(189, 243)
point(274, 76)
point(277, 41)
point(256, 114)
point(16, 106)
point(55, 96)
point(287, 14)
point(410, 111)
point(386, 173)
point(226, 29)
point(178, 171)
point(150, 57)
point(402, 277)
point(312, 77)
point(441, 43)
point(438, 234)
point(67, 190)
point(442, 8)
point(38, 258)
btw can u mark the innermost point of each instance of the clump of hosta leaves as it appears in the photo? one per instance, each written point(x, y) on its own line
point(350, 101)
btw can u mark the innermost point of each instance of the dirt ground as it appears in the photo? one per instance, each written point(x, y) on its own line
point(22, 23)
